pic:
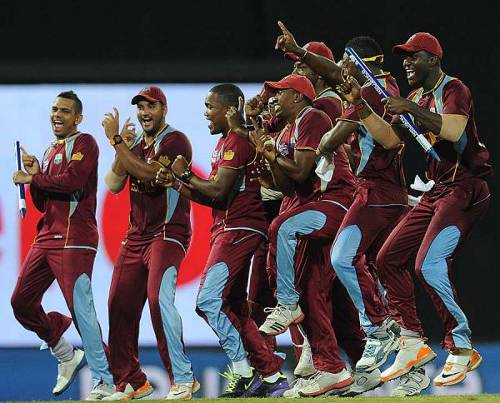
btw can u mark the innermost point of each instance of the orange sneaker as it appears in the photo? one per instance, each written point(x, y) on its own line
point(456, 367)
point(413, 353)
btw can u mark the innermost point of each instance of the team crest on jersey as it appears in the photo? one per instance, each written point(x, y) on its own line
point(58, 159)
point(228, 155)
point(77, 157)
point(164, 160)
point(215, 156)
point(283, 149)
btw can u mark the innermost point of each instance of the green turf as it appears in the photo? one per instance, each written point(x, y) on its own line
point(417, 399)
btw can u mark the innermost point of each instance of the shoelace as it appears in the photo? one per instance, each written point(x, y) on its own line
point(278, 309)
point(233, 379)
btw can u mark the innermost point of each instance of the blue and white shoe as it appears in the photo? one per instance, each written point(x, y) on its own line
point(377, 350)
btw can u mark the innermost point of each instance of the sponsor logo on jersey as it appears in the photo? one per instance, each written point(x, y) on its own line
point(58, 159)
point(77, 157)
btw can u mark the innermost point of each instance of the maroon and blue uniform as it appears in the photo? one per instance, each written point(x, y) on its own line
point(435, 229)
point(64, 249)
point(147, 266)
point(379, 203)
point(237, 232)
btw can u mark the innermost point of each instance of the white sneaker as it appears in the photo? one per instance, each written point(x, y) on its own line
point(101, 391)
point(305, 366)
point(376, 351)
point(130, 393)
point(413, 353)
point(280, 318)
point(326, 382)
point(183, 391)
point(363, 382)
point(67, 370)
point(412, 383)
point(456, 368)
point(293, 392)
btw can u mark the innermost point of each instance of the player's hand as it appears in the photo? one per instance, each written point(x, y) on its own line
point(261, 174)
point(254, 106)
point(165, 178)
point(179, 166)
point(350, 90)
point(21, 177)
point(286, 42)
point(264, 143)
point(234, 116)
point(397, 105)
point(30, 163)
point(128, 132)
point(111, 123)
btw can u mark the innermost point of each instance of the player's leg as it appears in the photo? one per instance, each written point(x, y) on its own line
point(35, 278)
point(73, 271)
point(164, 259)
point(260, 292)
point(316, 284)
point(361, 226)
point(392, 265)
point(315, 220)
point(127, 296)
point(222, 302)
point(455, 215)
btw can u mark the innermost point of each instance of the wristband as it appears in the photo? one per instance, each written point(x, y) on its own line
point(186, 175)
point(116, 139)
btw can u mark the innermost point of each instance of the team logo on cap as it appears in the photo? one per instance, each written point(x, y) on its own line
point(411, 38)
point(146, 89)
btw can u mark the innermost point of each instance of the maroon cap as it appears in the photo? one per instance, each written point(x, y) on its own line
point(293, 81)
point(151, 94)
point(420, 41)
point(318, 48)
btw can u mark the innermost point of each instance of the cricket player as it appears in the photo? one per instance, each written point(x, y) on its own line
point(456, 196)
point(239, 228)
point(305, 213)
point(63, 189)
point(152, 251)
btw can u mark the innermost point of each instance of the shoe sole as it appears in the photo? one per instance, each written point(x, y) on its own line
point(474, 365)
point(393, 349)
point(276, 333)
point(428, 356)
point(336, 388)
point(80, 365)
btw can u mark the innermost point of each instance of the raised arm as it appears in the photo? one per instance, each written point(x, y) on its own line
point(326, 68)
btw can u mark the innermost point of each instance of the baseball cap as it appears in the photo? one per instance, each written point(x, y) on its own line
point(293, 81)
point(318, 48)
point(420, 41)
point(151, 94)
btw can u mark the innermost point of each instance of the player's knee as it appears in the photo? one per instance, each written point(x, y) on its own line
point(208, 304)
point(19, 306)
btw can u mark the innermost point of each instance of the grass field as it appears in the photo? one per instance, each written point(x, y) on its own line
point(417, 399)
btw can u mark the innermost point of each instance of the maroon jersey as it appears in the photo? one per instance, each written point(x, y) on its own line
point(466, 158)
point(378, 167)
point(330, 103)
point(65, 192)
point(156, 211)
point(303, 134)
point(245, 210)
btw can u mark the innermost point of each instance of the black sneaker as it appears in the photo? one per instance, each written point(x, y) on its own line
point(239, 386)
point(274, 389)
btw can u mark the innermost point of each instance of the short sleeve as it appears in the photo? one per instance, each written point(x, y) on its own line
point(172, 145)
point(330, 105)
point(237, 152)
point(457, 98)
point(311, 129)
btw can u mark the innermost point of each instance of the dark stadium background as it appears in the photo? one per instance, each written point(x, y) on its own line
point(233, 41)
